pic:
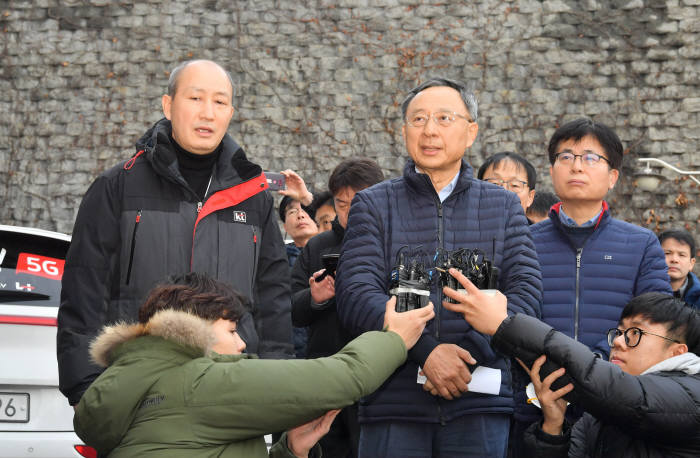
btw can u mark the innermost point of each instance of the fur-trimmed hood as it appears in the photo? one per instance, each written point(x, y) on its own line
point(181, 327)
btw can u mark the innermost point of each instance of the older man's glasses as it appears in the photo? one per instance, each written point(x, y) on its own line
point(441, 118)
point(632, 336)
point(515, 185)
point(587, 159)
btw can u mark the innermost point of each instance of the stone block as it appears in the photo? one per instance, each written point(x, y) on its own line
point(556, 6)
point(691, 25)
point(691, 104)
point(659, 106)
point(667, 27)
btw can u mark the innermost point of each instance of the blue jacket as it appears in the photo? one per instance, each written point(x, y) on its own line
point(617, 262)
point(407, 211)
point(692, 293)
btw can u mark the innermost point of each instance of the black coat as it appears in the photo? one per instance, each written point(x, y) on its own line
point(140, 222)
point(326, 335)
point(651, 415)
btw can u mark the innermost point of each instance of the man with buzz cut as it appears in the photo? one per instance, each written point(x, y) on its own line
point(427, 407)
point(188, 200)
point(679, 248)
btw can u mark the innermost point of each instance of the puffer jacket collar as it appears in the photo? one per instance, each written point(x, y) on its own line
point(603, 218)
point(190, 331)
point(421, 183)
point(692, 294)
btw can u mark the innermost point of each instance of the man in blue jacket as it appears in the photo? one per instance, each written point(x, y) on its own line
point(436, 205)
point(592, 264)
point(679, 248)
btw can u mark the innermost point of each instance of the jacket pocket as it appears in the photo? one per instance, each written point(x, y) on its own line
point(133, 246)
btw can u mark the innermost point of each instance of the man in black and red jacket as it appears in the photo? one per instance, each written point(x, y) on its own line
point(188, 201)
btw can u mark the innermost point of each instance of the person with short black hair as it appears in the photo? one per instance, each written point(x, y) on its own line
point(513, 172)
point(679, 248)
point(299, 224)
point(324, 210)
point(644, 402)
point(177, 383)
point(592, 264)
point(313, 299)
point(541, 205)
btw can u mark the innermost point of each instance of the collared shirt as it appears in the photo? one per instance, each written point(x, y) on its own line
point(680, 292)
point(568, 221)
point(447, 190)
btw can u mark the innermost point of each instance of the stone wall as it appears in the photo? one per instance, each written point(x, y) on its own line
point(319, 81)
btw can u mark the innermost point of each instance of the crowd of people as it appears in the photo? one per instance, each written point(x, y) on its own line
point(178, 279)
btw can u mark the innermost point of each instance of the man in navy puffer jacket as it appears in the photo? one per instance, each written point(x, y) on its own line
point(592, 264)
point(437, 204)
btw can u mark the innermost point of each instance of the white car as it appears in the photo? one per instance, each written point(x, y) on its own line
point(35, 418)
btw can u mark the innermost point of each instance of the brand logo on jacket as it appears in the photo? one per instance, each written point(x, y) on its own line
point(607, 257)
point(153, 401)
point(239, 217)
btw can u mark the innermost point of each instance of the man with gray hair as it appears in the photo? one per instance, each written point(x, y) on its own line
point(429, 406)
point(188, 200)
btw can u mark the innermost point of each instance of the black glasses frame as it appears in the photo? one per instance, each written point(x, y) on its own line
point(615, 332)
point(556, 157)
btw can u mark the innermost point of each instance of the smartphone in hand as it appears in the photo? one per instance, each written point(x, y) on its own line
point(275, 181)
point(330, 262)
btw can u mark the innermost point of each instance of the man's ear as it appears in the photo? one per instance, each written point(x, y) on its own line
point(680, 349)
point(613, 175)
point(166, 101)
point(472, 131)
point(530, 198)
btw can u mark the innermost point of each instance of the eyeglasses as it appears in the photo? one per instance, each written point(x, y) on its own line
point(295, 212)
point(441, 118)
point(587, 159)
point(515, 185)
point(632, 336)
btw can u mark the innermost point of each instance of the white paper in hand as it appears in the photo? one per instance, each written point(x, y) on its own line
point(486, 380)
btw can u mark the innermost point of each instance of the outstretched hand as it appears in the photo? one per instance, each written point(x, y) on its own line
point(483, 311)
point(300, 440)
point(408, 325)
point(552, 402)
point(296, 188)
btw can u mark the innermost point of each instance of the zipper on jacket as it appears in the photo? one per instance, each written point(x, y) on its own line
point(206, 191)
point(439, 291)
point(578, 273)
point(255, 258)
point(133, 245)
point(440, 417)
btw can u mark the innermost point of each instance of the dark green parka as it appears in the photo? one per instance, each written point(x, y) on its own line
point(165, 394)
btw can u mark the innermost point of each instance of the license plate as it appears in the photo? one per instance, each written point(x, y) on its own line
point(14, 407)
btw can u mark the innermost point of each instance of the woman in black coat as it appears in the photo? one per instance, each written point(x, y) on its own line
point(645, 402)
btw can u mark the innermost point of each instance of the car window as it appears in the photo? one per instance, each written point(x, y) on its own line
point(31, 267)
